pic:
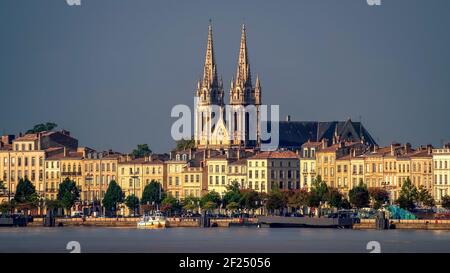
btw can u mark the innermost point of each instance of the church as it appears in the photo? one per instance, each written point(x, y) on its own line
point(237, 125)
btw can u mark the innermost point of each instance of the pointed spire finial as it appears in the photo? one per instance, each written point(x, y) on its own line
point(243, 76)
point(209, 70)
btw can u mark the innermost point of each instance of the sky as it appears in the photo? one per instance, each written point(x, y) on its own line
point(110, 71)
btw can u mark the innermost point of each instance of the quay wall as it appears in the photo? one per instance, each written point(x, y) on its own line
point(430, 224)
point(132, 222)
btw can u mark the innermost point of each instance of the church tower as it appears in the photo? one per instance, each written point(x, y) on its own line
point(209, 97)
point(245, 101)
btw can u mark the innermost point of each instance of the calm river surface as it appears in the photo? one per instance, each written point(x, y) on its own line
point(95, 239)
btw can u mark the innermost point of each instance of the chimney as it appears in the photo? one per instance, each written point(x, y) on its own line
point(375, 148)
point(66, 152)
point(324, 143)
point(204, 155)
point(190, 153)
point(430, 149)
point(288, 118)
point(238, 154)
point(39, 142)
point(407, 148)
point(209, 153)
point(354, 152)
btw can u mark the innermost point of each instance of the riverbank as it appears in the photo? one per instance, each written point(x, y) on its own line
point(424, 224)
point(132, 222)
point(430, 224)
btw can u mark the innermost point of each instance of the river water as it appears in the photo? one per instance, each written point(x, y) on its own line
point(226, 240)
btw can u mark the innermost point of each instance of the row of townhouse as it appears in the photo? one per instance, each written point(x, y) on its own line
point(344, 165)
point(50, 157)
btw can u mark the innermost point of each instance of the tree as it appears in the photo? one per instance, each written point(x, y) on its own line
point(191, 203)
point(298, 199)
point(346, 204)
point(53, 204)
point(152, 193)
point(275, 200)
point(142, 150)
point(42, 127)
point(250, 200)
point(378, 196)
point(169, 204)
point(425, 198)
point(318, 193)
point(184, 144)
point(408, 195)
point(25, 192)
point(68, 194)
point(113, 197)
point(233, 194)
point(210, 201)
point(2, 186)
point(445, 202)
point(334, 198)
point(359, 195)
point(132, 202)
point(6, 207)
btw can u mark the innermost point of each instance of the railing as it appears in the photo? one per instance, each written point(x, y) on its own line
point(70, 173)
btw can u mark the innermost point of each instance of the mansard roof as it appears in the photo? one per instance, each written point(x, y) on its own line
point(295, 133)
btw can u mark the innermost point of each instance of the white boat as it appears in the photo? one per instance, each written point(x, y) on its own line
point(156, 220)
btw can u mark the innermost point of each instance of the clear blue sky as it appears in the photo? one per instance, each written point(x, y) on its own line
point(111, 70)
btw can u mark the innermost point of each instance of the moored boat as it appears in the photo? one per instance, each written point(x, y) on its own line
point(156, 220)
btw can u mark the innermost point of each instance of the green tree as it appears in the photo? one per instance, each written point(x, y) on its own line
point(233, 206)
point(170, 204)
point(6, 207)
point(408, 195)
point(298, 199)
point(42, 127)
point(210, 201)
point(233, 194)
point(113, 197)
point(191, 203)
point(184, 144)
point(346, 204)
point(53, 204)
point(379, 196)
point(445, 202)
point(318, 194)
point(250, 200)
point(132, 202)
point(334, 198)
point(359, 195)
point(2, 186)
point(275, 200)
point(142, 150)
point(425, 198)
point(153, 193)
point(68, 194)
point(25, 192)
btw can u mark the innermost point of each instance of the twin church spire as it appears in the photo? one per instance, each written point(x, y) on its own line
point(210, 88)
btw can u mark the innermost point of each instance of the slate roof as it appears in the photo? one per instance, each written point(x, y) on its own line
point(295, 133)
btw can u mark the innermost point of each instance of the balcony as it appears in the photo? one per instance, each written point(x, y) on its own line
point(70, 173)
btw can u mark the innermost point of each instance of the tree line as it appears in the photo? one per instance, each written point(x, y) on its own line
point(234, 200)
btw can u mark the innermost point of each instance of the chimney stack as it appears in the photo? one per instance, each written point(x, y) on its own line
point(324, 143)
point(288, 118)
